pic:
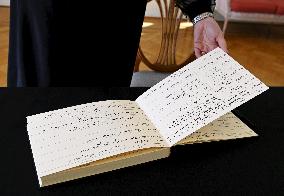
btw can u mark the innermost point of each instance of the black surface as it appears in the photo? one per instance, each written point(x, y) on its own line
point(254, 166)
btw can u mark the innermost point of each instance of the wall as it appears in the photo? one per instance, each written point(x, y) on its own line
point(152, 9)
point(5, 2)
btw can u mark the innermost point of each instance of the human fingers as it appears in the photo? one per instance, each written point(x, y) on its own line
point(211, 46)
point(197, 52)
point(222, 43)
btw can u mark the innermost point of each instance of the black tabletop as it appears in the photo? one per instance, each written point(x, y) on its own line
point(252, 166)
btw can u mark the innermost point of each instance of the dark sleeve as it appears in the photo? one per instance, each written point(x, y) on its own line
point(192, 8)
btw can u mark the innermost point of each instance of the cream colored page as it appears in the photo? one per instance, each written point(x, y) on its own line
point(77, 135)
point(197, 94)
point(226, 127)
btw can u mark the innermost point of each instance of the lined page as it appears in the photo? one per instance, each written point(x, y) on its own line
point(197, 94)
point(226, 127)
point(77, 135)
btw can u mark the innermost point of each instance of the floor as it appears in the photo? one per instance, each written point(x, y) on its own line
point(259, 47)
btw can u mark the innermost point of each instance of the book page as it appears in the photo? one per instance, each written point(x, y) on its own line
point(197, 94)
point(226, 127)
point(77, 135)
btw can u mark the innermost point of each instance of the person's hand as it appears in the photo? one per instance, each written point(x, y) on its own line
point(207, 37)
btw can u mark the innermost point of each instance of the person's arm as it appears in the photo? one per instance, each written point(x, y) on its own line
point(193, 8)
point(207, 33)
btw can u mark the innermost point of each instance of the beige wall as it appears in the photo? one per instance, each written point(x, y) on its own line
point(4, 2)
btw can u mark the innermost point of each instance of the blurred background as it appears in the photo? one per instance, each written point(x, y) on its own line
point(254, 30)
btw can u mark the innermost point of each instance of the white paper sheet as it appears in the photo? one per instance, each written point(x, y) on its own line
point(77, 135)
point(226, 127)
point(197, 94)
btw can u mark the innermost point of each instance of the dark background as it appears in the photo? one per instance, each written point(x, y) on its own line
point(66, 43)
point(253, 166)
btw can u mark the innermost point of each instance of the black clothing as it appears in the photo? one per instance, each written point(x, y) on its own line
point(64, 43)
point(192, 8)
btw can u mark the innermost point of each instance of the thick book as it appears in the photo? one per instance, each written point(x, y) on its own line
point(192, 105)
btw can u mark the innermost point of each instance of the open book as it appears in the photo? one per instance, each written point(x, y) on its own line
point(192, 105)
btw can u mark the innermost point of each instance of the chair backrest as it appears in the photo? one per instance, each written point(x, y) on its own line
point(171, 17)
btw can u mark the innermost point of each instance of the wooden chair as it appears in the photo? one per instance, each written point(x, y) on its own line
point(165, 62)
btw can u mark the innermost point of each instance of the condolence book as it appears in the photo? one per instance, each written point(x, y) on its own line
point(192, 105)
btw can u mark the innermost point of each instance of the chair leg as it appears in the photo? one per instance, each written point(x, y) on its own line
point(137, 62)
point(225, 25)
